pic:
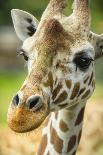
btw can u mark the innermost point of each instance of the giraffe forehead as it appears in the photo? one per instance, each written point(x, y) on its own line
point(53, 36)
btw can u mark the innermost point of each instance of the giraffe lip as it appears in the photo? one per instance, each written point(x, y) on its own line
point(21, 119)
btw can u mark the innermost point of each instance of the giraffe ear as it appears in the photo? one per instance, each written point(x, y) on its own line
point(25, 24)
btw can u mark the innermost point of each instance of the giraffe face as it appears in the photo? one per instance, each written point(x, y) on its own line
point(60, 70)
point(72, 78)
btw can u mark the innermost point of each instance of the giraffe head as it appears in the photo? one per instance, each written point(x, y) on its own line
point(60, 60)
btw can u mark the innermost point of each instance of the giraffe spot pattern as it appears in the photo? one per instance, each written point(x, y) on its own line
point(56, 91)
point(56, 81)
point(81, 91)
point(47, 120)
point(49, 81)
point(80, 116)
point(63, 126)
point(43, 145)
point(60, 65)
point(86, 80)
point(75, 90)
point(90, 37)
point(56, 140)
point(62, 97)
point(68, 83)
point(93, 83)
point(91, 78)
point(86, 94)
point(71, 143)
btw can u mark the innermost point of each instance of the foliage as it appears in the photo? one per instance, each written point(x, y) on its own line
point(34, 6)
point(9, 84)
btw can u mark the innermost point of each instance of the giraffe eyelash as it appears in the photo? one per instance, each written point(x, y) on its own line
point(23, 53)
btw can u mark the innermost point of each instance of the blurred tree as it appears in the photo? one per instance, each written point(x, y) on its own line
point(4, 9)
point(34, 6)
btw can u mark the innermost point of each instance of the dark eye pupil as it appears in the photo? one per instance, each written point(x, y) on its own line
point(82, 62)
point(25, 57)
point(22, 52)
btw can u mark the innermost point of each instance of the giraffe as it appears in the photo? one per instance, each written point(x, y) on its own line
point(60, 52)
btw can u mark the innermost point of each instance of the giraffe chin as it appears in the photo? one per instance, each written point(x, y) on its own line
point(23, 120)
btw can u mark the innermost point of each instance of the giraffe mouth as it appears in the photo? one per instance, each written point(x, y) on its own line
point(21, 119)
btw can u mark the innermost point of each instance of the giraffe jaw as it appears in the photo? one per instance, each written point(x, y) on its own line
point(22, 120)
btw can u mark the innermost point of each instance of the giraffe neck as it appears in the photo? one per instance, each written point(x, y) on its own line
point(63, 131)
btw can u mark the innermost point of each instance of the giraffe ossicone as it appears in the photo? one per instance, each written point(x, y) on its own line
point(60, 52)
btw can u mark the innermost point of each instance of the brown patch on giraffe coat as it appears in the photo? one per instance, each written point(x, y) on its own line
point(81, 91)
point(79, 136)
point(63, 126)
point(55, 36)
point(71, 143)
point(93, 83)
point(90, 37)
point(85, 81)
point(53, 27)
point(63, 96)
point(56, 140)
point(75, 90)
point(63, 67)
point(54, 31)
point(47, 120)
point(49, 81)
point(56, 81)
point(86, 94)
point(56, 90)
point(91, 78)
point(42, 145)
point(68, 83)
point(80, 116)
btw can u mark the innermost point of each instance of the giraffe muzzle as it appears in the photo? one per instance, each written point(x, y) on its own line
point(24, 116)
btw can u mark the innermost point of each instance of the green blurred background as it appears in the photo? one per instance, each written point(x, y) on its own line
point(12, 68)
point(11, 75)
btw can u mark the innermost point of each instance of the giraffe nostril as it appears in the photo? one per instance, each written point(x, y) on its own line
point(16, 100)
point(34, 102)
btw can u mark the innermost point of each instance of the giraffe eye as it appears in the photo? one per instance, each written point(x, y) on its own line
point(25, 57)
point(82, 61)
point(22, 52)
